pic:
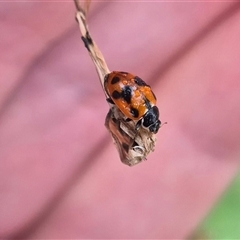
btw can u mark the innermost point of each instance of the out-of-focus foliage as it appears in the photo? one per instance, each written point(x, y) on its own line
point(224, 220)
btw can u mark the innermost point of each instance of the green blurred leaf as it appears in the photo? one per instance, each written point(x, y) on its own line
point(224, 220)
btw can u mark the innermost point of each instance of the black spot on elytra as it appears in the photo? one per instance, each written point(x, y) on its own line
point(139, 81)
point(134, 112)
point(116, 95)
point(127, 94)
point(115, 80)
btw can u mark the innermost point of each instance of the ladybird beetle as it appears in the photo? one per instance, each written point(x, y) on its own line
point(134, 98)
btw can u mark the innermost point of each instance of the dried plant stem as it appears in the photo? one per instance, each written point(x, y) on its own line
point(94, 52)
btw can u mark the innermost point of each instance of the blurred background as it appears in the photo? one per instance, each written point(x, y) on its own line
point(223, 220)
point(60, 173)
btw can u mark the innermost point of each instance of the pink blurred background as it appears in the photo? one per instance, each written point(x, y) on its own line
point(60, 174)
